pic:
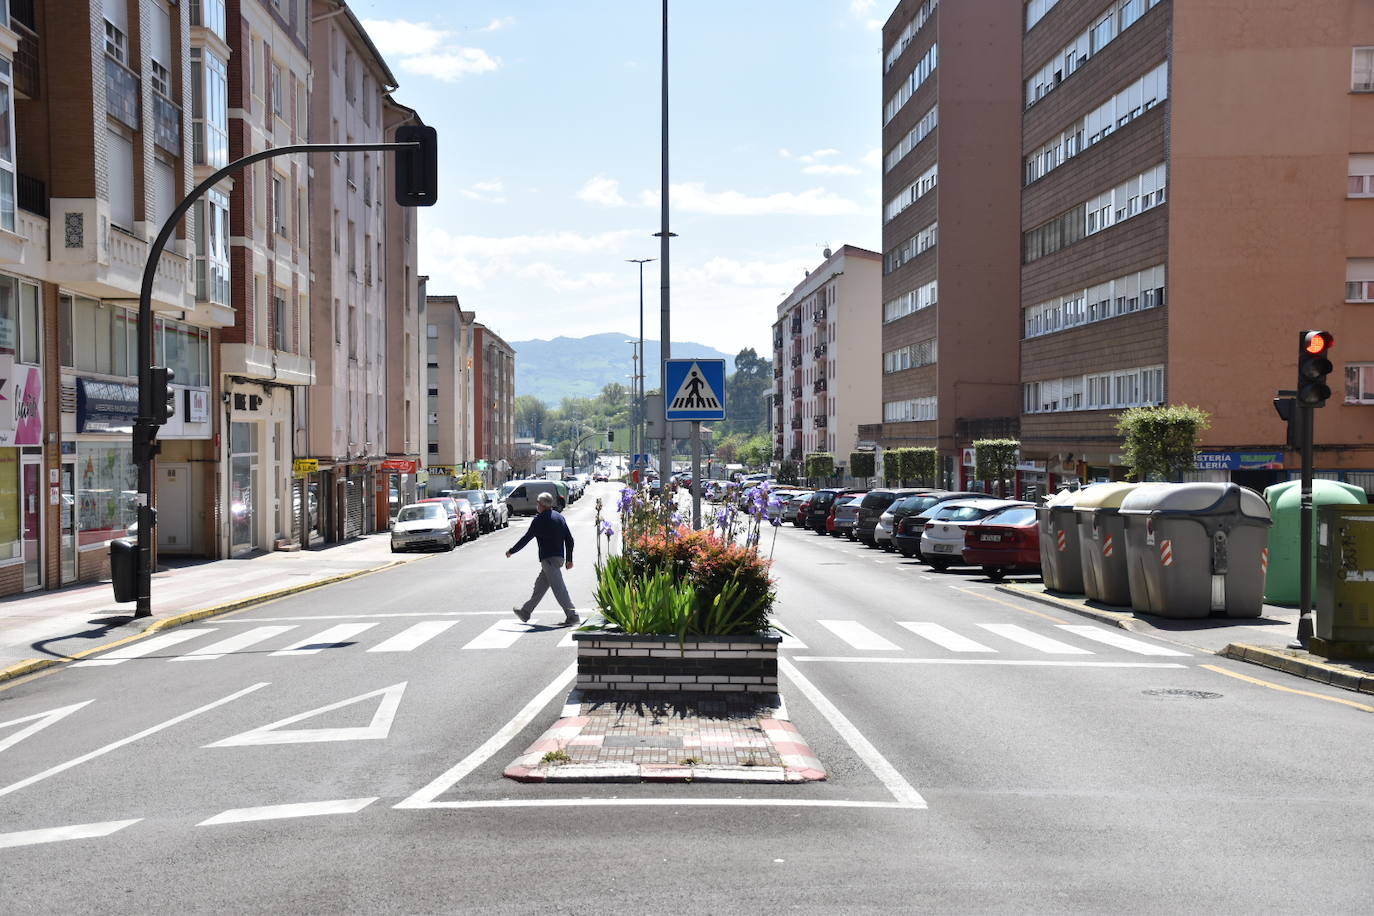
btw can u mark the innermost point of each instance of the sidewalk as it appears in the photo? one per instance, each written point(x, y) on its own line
point(1259, 640)
point(40, 629)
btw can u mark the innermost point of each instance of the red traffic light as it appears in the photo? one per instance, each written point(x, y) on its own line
point(1317, 342)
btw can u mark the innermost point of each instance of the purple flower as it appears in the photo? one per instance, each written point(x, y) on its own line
point(607, 530)
point(627, 498)
point(677, 518)
point(775, 521)
point(723, 517)
point(774, 502)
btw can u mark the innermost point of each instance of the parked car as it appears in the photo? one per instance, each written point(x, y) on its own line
point(802, 513)
point(523, 496)
point(874, 504)
point(846, 516)
point(793, 504)
point(486, 511)
point(455, 518)
point(422, 525)
point(777, 499)
point(1006, 541)
point(818, 513)
point(942, 540)
point(600, 476)
point(472, 525)
point(500, 511)
point(906, 538)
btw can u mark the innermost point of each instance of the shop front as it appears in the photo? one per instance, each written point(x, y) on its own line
point(98, 466)
point(258, 478)
point(396, 486)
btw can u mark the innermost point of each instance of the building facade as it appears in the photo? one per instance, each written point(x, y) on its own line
point(826, 357)
point(493, 399)
point(450, 357)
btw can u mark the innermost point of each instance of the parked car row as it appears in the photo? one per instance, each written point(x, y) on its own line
point(941, 527)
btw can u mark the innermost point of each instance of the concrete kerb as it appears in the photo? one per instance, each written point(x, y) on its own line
point(1292, 663)
point(1116, 618)
point(32, 665)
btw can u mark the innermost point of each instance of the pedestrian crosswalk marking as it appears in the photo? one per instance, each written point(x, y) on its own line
point(859, 636)
point(232, 644)
point(1119, 640)
point(1034, 640)
point(695, 392)
point(143, 647)
point(40, 720)
point(944, 637)
point(330, 638)
point(277, 733)
point(414, 636)
point(500, 635)
point(58, 834)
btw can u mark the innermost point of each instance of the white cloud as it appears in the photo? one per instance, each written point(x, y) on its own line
point(490, 191)
point(425, 50)
point(872, 158)
point(836, 169)
point(785, 153)
point(461, 263)
point(694, 198)
point(493, 186)
point(859, 7)
point(601, 190)
point(495, 25)
point(820, 154)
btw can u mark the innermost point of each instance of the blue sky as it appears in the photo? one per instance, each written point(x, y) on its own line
point(548, 120)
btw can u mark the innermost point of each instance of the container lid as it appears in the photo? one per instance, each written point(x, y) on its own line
point(1195, 499)
point(1324, 492)
point(1106, 495)
point(1066, 499)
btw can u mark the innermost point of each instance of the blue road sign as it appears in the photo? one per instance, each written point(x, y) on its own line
point(639, 461)
point(696, 389)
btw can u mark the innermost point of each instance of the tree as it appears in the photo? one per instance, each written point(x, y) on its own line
point(1161, 441)
point(892, 467)
point(757, 452)
point(861, 465)
point(917, 464)
point(820, 465)
point(530, 414)
point(787, 473)
point(746, 411)
point(995, 460)
point(471, 480)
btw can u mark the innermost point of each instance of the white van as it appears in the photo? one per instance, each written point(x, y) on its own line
point(523, 496)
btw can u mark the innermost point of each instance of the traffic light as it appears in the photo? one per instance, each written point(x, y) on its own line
point(164, 398)
point(417, 170)
point(1314, 365)
point(610, 435)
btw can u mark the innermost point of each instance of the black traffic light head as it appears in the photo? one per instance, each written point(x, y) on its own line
point(164, 398)
point(610, 435)
point(417, 170)
point(1314, 365)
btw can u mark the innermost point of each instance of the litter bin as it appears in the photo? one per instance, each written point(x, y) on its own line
point(1059, 547)
point(1343, 621)
point(1284, 499)
point(1193, 549)
point(124, 568)
point(1102, 534)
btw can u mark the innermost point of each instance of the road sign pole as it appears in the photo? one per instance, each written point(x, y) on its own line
point(1305, 416)
point(696, 475)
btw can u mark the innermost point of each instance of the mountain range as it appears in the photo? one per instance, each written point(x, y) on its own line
point(579, 367)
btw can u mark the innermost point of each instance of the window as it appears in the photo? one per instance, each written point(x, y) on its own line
point(1036, 10)
point(209, 109)
point(919, 74)
point(1359, 383)
point(352, 249)
point(1128, 199)
point(1361, 70)
point(918, 243)
point(119, 163)
point(7, 180)
point(334, 231)
point(912, 193)
point(367, 259)
point(116, 43)
point(917, 22)
point(276, 89)
point(349, 92)
point(912, 357)
point(161, 79)
point(19, 327)
point(909, 410)
point(280, 320)
point(338, 322)
point(1119, 15)
point(210, 14)
point(352, 332)
point(279, 210)
point(1359, 280)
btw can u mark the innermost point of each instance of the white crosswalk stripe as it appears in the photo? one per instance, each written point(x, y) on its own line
point(1119, 640)
point(500, 635)
point(413, 636)
point(944, 636)
point(1033, 640)
point(143, 647)
point(232, 644)
point(859, 636)
point(330, 638)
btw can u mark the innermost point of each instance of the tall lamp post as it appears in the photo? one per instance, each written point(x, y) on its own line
point(639, 432)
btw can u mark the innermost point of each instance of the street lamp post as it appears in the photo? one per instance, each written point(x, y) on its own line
point(639, 431)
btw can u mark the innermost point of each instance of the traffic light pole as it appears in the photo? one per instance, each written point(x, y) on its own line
point(146, 423)
point(1304, 416)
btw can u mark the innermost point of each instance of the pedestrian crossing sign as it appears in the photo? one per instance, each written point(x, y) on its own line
point(698, 389)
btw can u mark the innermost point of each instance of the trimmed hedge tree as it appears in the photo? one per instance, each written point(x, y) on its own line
point(1161, 441)
point(787, 472)
point(995, 460)
point(917, 465)
point(820, 465)
point(892, 475)
point(862, 465)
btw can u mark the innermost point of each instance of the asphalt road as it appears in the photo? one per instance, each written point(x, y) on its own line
point(985, 755)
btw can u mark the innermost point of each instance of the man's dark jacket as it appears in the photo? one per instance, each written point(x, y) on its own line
point(551, 530)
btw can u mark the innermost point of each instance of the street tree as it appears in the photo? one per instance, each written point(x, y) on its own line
point(995, 460)
point(1161, 442)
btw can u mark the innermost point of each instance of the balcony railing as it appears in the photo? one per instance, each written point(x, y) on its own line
point(777, 371)
point(820, 420)
point(796, 454)
point(166, 124)
point(819, 316)
point(796, 361)
point(819, 351)
point(796, 325)
point(26, 58)
point(31, 194)
point(121, 93)
point(796, 422)
point(796, 392)
point(777, 342)
point(777, 453)
point(819, 386)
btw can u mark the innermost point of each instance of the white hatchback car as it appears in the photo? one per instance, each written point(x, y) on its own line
point(942, 541)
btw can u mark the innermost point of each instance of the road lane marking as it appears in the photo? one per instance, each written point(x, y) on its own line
point(1012, 662)
point(116, 745)
point(686, 802)
point(943, 636)
point(859, 636)
point(567, 641)
point(232, 644)
point(1036, 641)
point(1119, 640)
point(329, 638)
point(1015, 607)
point(277, 812)
point(904, 793)
point(413, 637)
point(1302, 693)
point(254, 620)
point(376, 730)
point(40, 720)
point(143, 647)
point(58, 834)
point(500, 635)
point(424, 798)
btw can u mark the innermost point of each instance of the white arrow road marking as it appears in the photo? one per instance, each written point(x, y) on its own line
point(40, 720)
point(143, 647)
point(859, 636)
point(500, 635)
point(1033, 640)
point(52, 771)
point(58, 834)
point(275, 733)
point(1119, 640)
point(330, 638)
point(276, 812)
point(943, 636)
point(232, 644)
point(414, 636)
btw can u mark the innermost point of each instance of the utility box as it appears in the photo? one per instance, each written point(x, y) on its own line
point(1343, 621)
point(1102, 536)
point(124, 569)
point(1285, 505)
point(1060, 565)
point(1196, 549)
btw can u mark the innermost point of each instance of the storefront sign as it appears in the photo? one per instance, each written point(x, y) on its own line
point(105, 407)
point(303, 466)
point(1238, 461)
point(400, 465)
point(197, 405)
point(970, 457)
point(1038, 466)
point(447, 469)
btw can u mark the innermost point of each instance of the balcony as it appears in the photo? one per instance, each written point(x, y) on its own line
point(121, 93)
point(796, 453)
point(796, 361)
point(819, 386)
point(252, 361)
point(26, 59)
point(777, 453)
point(31, 194)
point(777, 371)
point(796, 422)
point(796, 326)
point(819, 317)
point(821, 421)
point(166, 124)
point(820, 351)
point(777, 342)
point(796, 392)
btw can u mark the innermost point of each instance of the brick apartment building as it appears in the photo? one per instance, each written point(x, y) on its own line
point(493, 399)
point(450, 342)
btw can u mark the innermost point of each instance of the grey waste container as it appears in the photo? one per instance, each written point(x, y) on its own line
point(1059, 546)
point(1102, 534)
point(1194, 549)
point(124, 568)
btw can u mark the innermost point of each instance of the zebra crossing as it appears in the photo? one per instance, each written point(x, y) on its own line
point(1004, 637)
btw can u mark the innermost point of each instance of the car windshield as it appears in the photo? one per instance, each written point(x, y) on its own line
point(1017, 515)
point(411, 513)
point(463, 505)
point(961, 513)
point(472, 496)
point(917, 503)
point(856, 502)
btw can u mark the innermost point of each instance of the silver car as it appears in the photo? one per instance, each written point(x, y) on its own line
point(499, 508)
point(422, 525)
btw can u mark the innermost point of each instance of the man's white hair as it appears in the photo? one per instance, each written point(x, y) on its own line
point(544, 499)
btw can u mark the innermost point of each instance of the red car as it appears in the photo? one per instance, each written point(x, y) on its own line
point(466, 526)
point(803, 508)
point(472, 523)
point(1006, 541)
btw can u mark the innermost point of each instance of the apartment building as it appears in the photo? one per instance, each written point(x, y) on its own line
point(493, 400)
point(1194, 196)
point(826, 359)
point(450, 348)
point(950, 144)
point(345, 432)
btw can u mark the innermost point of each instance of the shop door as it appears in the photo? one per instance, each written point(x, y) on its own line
point(31, 497)
point(174, 507)
point(353, 519)
point(243, 488)
point(67, 547)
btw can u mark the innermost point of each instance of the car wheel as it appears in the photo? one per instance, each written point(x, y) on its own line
point(395, 549)
point(995, 573)
point(452, 542)
point(939, 565)
point(908, 554)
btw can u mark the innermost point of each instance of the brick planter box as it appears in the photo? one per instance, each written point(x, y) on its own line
point(611, 661)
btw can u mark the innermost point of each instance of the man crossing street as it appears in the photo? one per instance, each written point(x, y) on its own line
point(550, 530)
